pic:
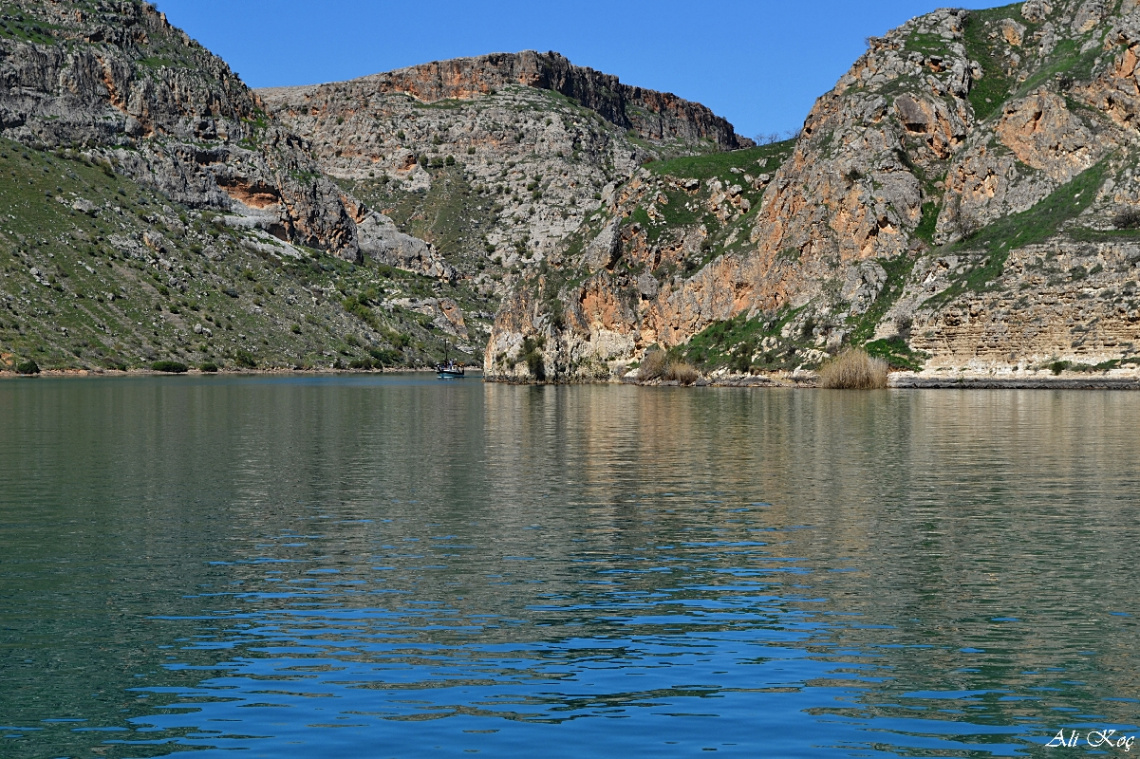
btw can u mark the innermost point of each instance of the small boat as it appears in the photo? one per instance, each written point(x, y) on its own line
point(449, 370)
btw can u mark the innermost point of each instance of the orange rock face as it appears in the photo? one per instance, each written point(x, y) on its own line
point(653, 115)
point(922, 209)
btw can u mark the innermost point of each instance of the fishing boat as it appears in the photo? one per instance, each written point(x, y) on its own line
point(448, 369)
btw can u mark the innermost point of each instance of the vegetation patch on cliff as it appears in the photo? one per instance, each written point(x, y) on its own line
point(991, 245)
point(985, 44)
point(744, 344)
point(720, 165)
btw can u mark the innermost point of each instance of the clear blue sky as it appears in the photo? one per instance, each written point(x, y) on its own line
point(759, 63)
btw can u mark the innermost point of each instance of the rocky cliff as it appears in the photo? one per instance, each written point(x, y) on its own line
point(656, 116)
point(493, 160)
point(964, 198)
point(115, 78)
point(153, 210)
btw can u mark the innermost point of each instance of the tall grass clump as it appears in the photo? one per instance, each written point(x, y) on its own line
point(653, 366)
point(854, 369)
point(681, 372)
point(657, 365)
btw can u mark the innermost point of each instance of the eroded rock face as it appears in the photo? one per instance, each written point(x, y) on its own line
point(898, 214)
point(535, 165)
point(494, 160)
point(655, 116)
point(1071, 302)
point(1036, 146)
point(116, 80)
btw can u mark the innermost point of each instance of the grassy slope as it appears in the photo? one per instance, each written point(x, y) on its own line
point(100, 298)
point(451, 215)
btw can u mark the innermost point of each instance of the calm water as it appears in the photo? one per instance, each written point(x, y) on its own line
point(374, 567)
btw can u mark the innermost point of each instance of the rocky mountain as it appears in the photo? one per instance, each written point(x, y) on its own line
point(118, 78)
point(153, 210)
point(494, 160)
point(966, 197)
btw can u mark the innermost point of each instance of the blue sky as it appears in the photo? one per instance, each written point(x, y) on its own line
point(759, 63)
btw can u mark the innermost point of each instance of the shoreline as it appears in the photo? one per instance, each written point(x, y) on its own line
point(1127, 380)
point(1120, 380)
point(1117, 379)
point(105, 373)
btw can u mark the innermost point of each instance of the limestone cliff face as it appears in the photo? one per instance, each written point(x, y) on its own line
point(964, 196)
point(495, 160)
point(114, 78)
point(657, 116)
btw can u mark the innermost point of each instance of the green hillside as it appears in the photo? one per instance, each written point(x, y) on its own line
point(98, 272)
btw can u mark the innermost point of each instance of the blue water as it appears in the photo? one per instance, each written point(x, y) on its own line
point(398, 566)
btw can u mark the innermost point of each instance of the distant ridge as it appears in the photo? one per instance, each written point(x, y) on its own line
point(652, 115)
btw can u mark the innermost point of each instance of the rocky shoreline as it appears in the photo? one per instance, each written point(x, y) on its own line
point(930, 380)
point(1118, 379)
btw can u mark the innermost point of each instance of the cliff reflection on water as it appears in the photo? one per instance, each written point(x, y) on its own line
point(292, 564)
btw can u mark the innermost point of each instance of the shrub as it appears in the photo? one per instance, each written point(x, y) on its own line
point(245, 360)
point(1127, 218)
point(531, 353)
point(361, 311)
point(536, 365)
point(386, 357)
point(170, 367)
point(653, 365)
point(742, 358)
point(28, 367)
point(854, 370)
point(679, 371)
point(209, 367)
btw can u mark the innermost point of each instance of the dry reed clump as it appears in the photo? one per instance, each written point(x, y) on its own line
point(681, 372)
point(656, 365)
point(652, 366)
point(853, 369)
